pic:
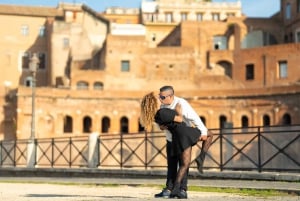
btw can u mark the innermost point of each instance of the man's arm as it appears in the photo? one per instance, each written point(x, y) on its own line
point(190, 115)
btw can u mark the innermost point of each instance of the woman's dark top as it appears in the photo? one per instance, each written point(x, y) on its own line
point(183, 136)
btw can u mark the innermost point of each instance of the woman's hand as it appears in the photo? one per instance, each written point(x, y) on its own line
point(178, 109)
point(163, 127)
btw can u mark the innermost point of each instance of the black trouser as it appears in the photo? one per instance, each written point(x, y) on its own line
point(173, 161)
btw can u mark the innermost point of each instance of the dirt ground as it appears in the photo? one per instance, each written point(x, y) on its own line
point(64, 192)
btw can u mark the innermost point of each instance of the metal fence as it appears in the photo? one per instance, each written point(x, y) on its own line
point(259, 149)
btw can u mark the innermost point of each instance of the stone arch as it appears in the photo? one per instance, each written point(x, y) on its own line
point(286, 119)
point(124, 124)
point(83, 85)
point(68, 124)
point(87, 124)
point(222, 121)
point(266, 120)
point(227, 66)
point(244, 121)
point(98, 85)
point(141, 128)
point(105, 122)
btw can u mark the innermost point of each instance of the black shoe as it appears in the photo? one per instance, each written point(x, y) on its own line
point(178, 194)
point(183, 194)
point(165, 193)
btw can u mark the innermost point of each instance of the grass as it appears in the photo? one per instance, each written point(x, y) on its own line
point(237, 191)
point(240, 191)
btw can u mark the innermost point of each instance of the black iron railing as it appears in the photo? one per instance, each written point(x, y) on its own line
point(259, 149)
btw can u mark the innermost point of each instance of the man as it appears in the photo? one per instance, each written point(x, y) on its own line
point(191, 118)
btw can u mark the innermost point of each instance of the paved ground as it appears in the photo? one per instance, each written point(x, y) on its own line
point(92, 189)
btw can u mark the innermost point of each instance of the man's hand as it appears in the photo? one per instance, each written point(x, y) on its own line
point(203, 137)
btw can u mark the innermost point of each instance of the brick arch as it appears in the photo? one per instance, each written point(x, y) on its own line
point(245, 121)
point(124, 124)
point(68, 124)
point(87, 123)
point(244, 118)
point(81, 84)
point(105, 124)
point(98, 85)
point(266, 119)
point(287, 116)
point(286, 119)
point(227, 66)
point(222, 120)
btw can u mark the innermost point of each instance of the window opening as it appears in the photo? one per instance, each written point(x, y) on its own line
point(249, 72)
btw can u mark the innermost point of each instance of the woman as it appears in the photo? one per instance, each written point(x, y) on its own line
point(183, 136)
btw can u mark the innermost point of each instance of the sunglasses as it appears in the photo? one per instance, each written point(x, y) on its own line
point(164, 97)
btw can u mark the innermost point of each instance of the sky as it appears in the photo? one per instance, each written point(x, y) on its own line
point(251, 8)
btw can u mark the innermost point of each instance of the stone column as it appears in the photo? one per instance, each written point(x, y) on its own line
point(93, 157)
point(31, 153)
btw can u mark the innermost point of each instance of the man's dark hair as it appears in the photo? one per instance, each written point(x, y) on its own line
point(166, 88)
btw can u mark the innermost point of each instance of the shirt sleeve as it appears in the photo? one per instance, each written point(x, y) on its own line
point(191, 116)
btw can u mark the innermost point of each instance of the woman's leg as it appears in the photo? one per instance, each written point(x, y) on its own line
point(185, 158)
point(205, 146)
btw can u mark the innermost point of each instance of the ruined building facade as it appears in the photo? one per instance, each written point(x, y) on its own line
point(95, 67)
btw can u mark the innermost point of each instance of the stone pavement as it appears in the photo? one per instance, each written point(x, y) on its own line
point(129, 189)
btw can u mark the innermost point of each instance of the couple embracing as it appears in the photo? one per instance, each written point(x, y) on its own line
point(183, 128)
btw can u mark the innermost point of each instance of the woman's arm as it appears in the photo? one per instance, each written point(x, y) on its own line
point(178, 117)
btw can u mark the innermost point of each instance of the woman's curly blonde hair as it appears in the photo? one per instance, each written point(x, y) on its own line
point(148, 110)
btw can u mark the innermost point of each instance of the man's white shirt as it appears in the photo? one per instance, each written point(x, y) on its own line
point(190, 117)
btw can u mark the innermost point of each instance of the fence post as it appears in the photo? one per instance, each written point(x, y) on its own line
point(259, 149)
point(146, 150)
point(221, 149)
point(93, 156)
point(31, 153)
point(121, 157)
